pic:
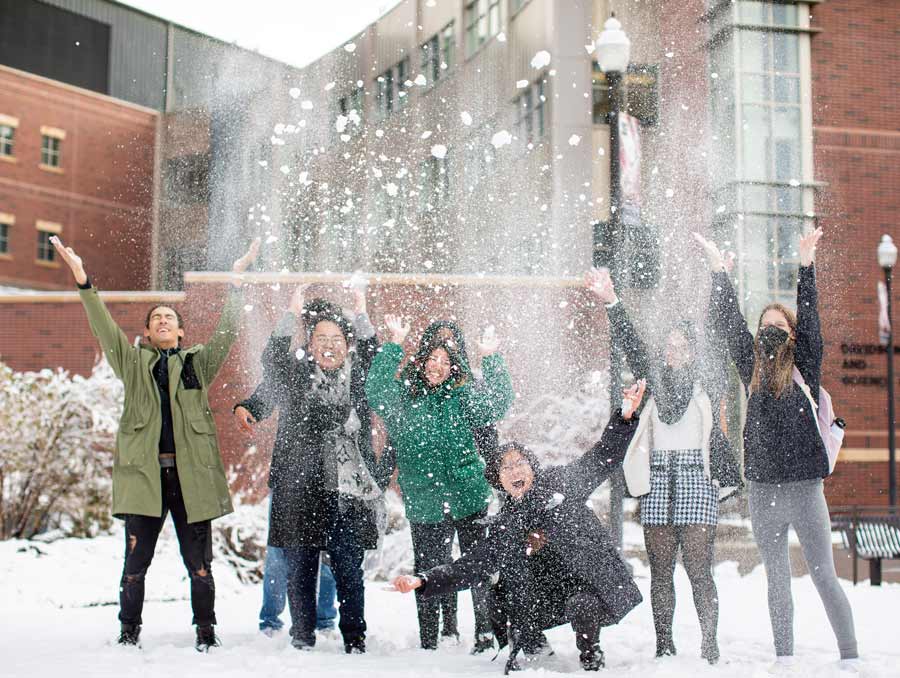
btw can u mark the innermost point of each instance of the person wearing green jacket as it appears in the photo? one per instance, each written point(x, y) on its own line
point(167, 456)
point(430, 416)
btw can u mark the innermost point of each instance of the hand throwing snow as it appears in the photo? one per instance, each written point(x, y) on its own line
point(244, 419)
point(713, 253)
point(489, 342)
point(298, 300)
point(397, 328)
point(808, 247)
point(600, 283)
point(67, 254)
point(244, 262)
point(631, 398)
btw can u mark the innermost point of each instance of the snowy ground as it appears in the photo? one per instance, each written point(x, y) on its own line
point(59, 620)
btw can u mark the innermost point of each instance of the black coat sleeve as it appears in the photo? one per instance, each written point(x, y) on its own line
point(478, 564)
point(581, 477)
point(808, 357)
point(731, 326)
point(263, 401)
point(626, 338)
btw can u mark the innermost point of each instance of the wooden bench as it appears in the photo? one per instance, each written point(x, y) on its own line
point(869, 532)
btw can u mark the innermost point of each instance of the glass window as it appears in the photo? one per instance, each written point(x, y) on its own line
point(50, 151)
point(385, 93)
point(4, 238)
point(431, 59)
point(482, 22)
point(540, 108)
point(402, 78)
point(45, 249)
point(448, 45)
point(7, 139)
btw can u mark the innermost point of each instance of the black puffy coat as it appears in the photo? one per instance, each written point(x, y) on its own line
point(303, 508)
point(577, 552)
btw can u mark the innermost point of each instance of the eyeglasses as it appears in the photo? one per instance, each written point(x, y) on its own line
point(322, 340)
point(522, 463)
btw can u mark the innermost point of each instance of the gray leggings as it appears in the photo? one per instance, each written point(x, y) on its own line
point(802, 505)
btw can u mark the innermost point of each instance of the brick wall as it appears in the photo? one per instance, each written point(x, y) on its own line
point(102, 195)
point(857, 154)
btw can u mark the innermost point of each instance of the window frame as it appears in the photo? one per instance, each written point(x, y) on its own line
point(8, 141)
point(44, 246)
point(478, 14)
point(7, 221)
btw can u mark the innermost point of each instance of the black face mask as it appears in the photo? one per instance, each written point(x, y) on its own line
point(771, 338)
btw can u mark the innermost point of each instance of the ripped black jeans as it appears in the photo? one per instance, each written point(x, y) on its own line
point(195, 542)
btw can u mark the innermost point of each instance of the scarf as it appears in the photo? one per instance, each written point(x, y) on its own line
point(343, 464)
point(674, 393)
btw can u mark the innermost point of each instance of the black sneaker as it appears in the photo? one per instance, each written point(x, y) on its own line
point(592, 658)
point(483, 643)
point(130, 635)
point(355, 646)
point(206, 638)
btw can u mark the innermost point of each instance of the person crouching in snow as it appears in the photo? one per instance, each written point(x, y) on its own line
point(556, 561)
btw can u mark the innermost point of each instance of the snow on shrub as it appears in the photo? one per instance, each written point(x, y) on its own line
point(57, 436)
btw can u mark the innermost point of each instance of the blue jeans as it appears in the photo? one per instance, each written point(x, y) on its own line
point(346, 562)
point(275, 593)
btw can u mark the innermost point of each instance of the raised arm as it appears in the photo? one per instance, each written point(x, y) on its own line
point(621, 331)
point(581, 477)
point(383, 389)
point(729, 323)
point(258, 406)
point(489, 400)
point(810, 346)
point(212, 356)
point(116, 347)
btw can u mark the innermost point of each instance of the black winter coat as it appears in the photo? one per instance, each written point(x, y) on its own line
point(711, 371)
point(303, 508)
point(577, 554)
point(781, 437)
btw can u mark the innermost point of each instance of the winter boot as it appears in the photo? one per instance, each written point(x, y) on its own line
point(355, 645)
point(483, 643)
point(592, 658)
point(302, 642)
point(665, 647)
point(206, 638)
point(130, 635)
point(709, 650)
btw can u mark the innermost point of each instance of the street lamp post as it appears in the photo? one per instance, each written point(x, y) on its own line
point(613, 49)
point(887, 257)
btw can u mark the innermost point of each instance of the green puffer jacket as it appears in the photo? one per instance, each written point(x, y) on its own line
point(136, 475)
point(439, 467)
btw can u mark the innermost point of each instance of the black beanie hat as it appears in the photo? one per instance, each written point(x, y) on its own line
point(318, 310)
point(492, 462)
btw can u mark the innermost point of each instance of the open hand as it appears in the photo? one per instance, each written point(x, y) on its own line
point(406, 583)
point(808, 244)
point(631, 398)
point(600, 283)
point(244, 419)
point(489, 342)
point(397, 328)
point(358, 292)
point(298, 300)
point(244, 262)
point(713, 253)
point(73, 261)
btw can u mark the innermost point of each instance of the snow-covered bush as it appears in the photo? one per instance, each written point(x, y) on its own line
point(57, 439)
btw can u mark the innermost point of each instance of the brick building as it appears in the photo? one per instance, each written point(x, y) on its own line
point(759, 120)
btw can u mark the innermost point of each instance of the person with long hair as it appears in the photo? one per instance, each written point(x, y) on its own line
point(430, 414)
point(486, 443)
point(677, 464)
point(785, 459)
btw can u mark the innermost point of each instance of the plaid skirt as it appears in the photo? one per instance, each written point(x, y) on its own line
point(680, 493)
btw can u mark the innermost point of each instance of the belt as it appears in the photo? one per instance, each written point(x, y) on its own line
point(167, 460)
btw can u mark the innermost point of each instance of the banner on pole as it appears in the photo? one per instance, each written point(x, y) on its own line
point(884, 323)
point(630, 169)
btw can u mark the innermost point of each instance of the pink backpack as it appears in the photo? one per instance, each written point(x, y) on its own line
point(831, 428)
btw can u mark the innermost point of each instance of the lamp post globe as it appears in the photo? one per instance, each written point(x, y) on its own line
point(887, 252)
point(613, 47)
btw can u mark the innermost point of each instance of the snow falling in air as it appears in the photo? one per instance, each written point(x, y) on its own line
point(541, 59)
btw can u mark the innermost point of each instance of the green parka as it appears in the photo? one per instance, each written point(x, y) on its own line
point(137, 488)
point(439, 468)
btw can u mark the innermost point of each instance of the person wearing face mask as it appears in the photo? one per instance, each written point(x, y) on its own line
point(555, 559)
point(430, 414)
point(785, 460)
point(325, 480)
point(679, 463)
